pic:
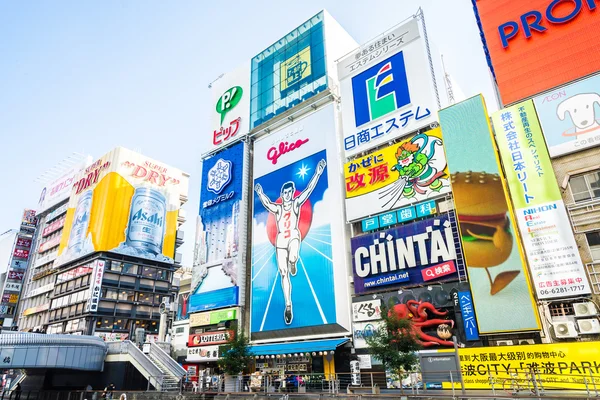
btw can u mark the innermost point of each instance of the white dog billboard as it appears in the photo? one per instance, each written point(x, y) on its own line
point(570, 116)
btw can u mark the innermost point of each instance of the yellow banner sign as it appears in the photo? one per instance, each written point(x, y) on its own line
point(559, 365)
point(407, 172)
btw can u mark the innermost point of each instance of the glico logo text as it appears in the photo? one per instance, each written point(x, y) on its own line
point(534, 20)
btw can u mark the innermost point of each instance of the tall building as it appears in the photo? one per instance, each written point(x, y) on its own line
point(563, 103)
point(113, 261)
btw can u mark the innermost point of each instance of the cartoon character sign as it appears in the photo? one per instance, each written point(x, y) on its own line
point(405, 173)
point(287, 214)
point(570, 116)
point(292, 253)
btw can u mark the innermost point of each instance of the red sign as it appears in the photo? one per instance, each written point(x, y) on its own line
point(439, 270)
point(22, 242)
point(74, 273)
point(18, 275)
point(206, 338)
point(48, 244)
point(20, 253)
point(284, 147)
point(53, 227)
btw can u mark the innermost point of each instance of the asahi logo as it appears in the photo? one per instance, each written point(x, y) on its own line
point(153, 219)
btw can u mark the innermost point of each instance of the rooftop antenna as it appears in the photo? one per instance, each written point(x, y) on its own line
point(219, 77)
point(448, 84)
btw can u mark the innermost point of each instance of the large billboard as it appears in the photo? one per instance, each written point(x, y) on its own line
point(404, 173)
point(124, 203)
point(501, 291)
point(548, 239)
point(299, 278)
point(539, 44)
point(288, 72)
point(218, 275)
point(387, 89)
point(414, 254)
point(58, 190)
point(230, 107)
point(570, 116)
point(557, 365)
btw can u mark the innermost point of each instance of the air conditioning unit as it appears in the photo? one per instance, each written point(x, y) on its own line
point(564, 329)
point(588, 326)
point(587, 309)
point(504, 343)
point(526, 341)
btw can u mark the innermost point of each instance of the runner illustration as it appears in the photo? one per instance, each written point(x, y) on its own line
point(287, 215)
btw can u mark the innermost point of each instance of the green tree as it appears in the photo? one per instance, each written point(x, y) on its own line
point(394, 344)
point(235, 355)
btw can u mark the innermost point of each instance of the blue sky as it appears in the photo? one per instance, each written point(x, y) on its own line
point(87, 76)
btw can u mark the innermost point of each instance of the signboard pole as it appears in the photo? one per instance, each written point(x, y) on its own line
point(460, 376)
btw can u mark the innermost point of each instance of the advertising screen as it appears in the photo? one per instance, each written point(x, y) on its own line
point(289, 72)
point(557, 364)
point(538, 45)
point(387, 90)
point(29, 219)
point(230, 112)
point(405, 173)
point(570, 116)
point(408, 255)
point(124, 203)
point(542, 218)
point(59, 189)
point(219, 272)
point(298, 266)
point(499, 284)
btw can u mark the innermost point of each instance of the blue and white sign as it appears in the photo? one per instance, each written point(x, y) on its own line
point(426, 208)
point(386, 88)
point(370, 224)
point(218, 270)
point(468, 315)
point(406, 214)
point(299, 278)
point(387, 219)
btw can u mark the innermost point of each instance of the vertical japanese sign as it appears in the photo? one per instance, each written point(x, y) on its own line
point(387, 89)
point(550, 246)
point(468, 315)
point(499, 285)
point(96, 285)
point(218, 273)
point(405, 173)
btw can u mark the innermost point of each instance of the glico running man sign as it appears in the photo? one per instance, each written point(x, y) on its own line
point(298, 264)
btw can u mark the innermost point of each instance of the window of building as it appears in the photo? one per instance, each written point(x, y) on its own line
point(129, 268)
point(105, 323)
point(585, 187)
point(593, 239)
point(149, 272)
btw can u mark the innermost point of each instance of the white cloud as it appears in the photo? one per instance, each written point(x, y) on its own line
point(322, 210)
point(259, 233)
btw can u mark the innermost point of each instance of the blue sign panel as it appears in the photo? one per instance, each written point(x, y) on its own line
point(426, 208)
point(370, 223)
point(414, 254)
point(406, 214)
point(468, 315)
point(217, 263)
point(289, 72)
point(214, 299)
point(388, 219)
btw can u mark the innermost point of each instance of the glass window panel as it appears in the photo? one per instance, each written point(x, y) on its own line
point(579, 188)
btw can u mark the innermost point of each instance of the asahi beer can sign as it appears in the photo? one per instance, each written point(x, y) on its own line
point(124, 203)
point(81, 222)
point(147, 220)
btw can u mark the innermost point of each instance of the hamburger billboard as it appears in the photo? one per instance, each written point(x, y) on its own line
point(124, 203)
point(499, 283)
point(548, 239)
